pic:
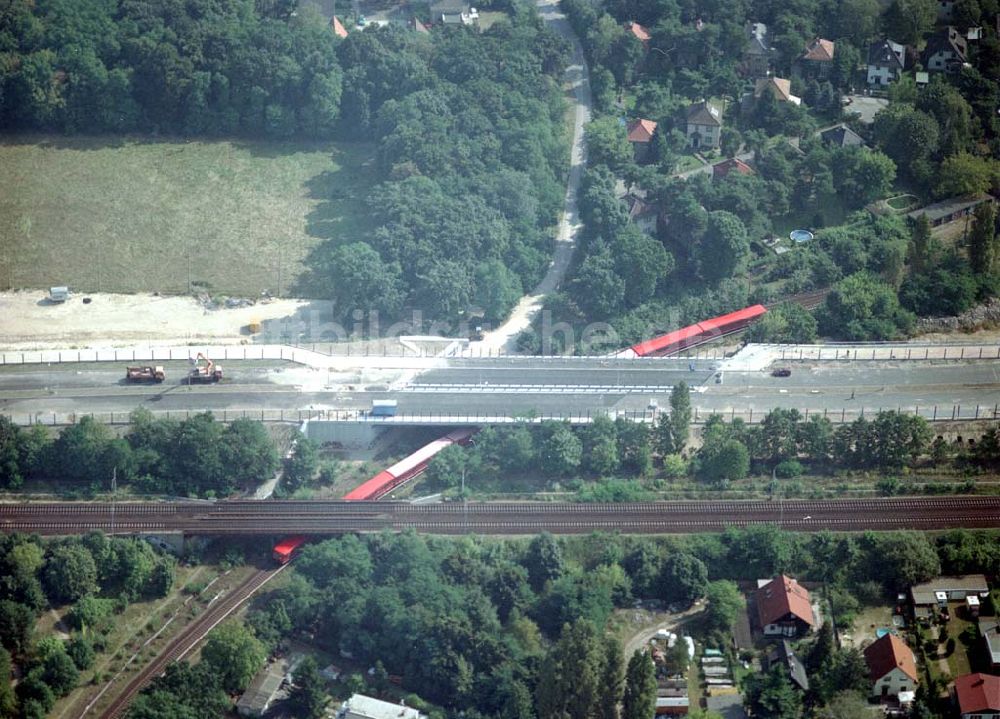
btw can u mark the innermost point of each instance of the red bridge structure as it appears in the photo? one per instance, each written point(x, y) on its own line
point(696, 334)
point(408, 468)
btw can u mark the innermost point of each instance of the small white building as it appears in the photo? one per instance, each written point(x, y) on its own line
point(361, 707)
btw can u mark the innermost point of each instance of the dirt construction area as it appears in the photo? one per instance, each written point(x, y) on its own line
point(29, 321)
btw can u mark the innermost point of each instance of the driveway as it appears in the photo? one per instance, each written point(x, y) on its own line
point(504, 337)
point(641, 638)
point(865, 106)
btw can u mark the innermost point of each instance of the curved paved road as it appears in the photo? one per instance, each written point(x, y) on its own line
point(504, 337)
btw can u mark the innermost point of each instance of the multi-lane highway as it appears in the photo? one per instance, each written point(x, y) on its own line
point(515, 386)
point(332, 517)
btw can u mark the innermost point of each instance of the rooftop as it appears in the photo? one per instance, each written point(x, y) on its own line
point(638, 31)
point(887, 654)
point(978, 693)
point(338, 27)
point(361, 707)
point(990, 630)
point(782, 596)
point(704, 113)
point(842, 136)
point(819, 50)
point(971, 582)
point(886, 52)
point(641, 130)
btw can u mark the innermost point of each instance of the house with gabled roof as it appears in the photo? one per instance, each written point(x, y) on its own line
point(784, 608)
point(946, 50)
point(638, 32)
point(704, 125)
point(758, 53)
point(817, 60)
point(892, 667)
point(338, 27)
point(978, 696)
point(733, 164)
point(640, 136)
point(777, 87)
point(784, 657)
point(886, 60)
point(842, 136)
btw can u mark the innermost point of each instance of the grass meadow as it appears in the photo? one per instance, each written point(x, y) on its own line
point(106, 214)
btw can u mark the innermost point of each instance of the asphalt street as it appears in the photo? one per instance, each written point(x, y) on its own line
point(544, 387)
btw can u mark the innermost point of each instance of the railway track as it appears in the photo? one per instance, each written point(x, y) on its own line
point(336, 517)
point(187, 640)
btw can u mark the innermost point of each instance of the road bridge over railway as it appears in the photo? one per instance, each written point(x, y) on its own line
point(274, 518)
point(843, 382)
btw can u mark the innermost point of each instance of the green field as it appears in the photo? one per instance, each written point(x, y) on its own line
point(129, 214)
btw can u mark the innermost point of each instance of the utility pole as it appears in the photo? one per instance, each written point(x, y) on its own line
point(114, 495)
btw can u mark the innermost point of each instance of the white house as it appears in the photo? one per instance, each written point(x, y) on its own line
point(891, 667)
point(885, 62)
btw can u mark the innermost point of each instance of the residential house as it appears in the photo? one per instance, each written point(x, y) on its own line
point(989, 630)
point(453, 13)
point(778, 87)
point(842, 136)
point(638, 32)
point(953, 588)
point(891, 667)
point(784, 608)
point(419, 27)
point(704, 125)
point(640, 135)
point(733, 164)
point(886, 60)
point(978, 696)
point(817, 60)
point(641, 213)
point(946, 50)
point(758, 53)
point(338, 27)
point(783, 656)
point(363, 707)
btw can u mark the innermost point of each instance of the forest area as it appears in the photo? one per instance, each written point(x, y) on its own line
point(468, 128)
point(518, 629)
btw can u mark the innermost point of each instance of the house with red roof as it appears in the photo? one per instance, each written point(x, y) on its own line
point(338, 27)
point(978, 696)
point(784, 608)
point(891, 667)
point(638, 32)
point(640, 135)
point(817, 60)
point(733, 164)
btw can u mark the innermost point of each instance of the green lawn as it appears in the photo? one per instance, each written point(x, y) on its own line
point(830, 207)
point(127, 214)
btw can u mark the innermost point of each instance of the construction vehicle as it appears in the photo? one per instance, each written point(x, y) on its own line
point(144, 374)
point(203, 374)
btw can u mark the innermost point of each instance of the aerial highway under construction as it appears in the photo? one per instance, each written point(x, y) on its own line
point(273, 518)
point(510, 386)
